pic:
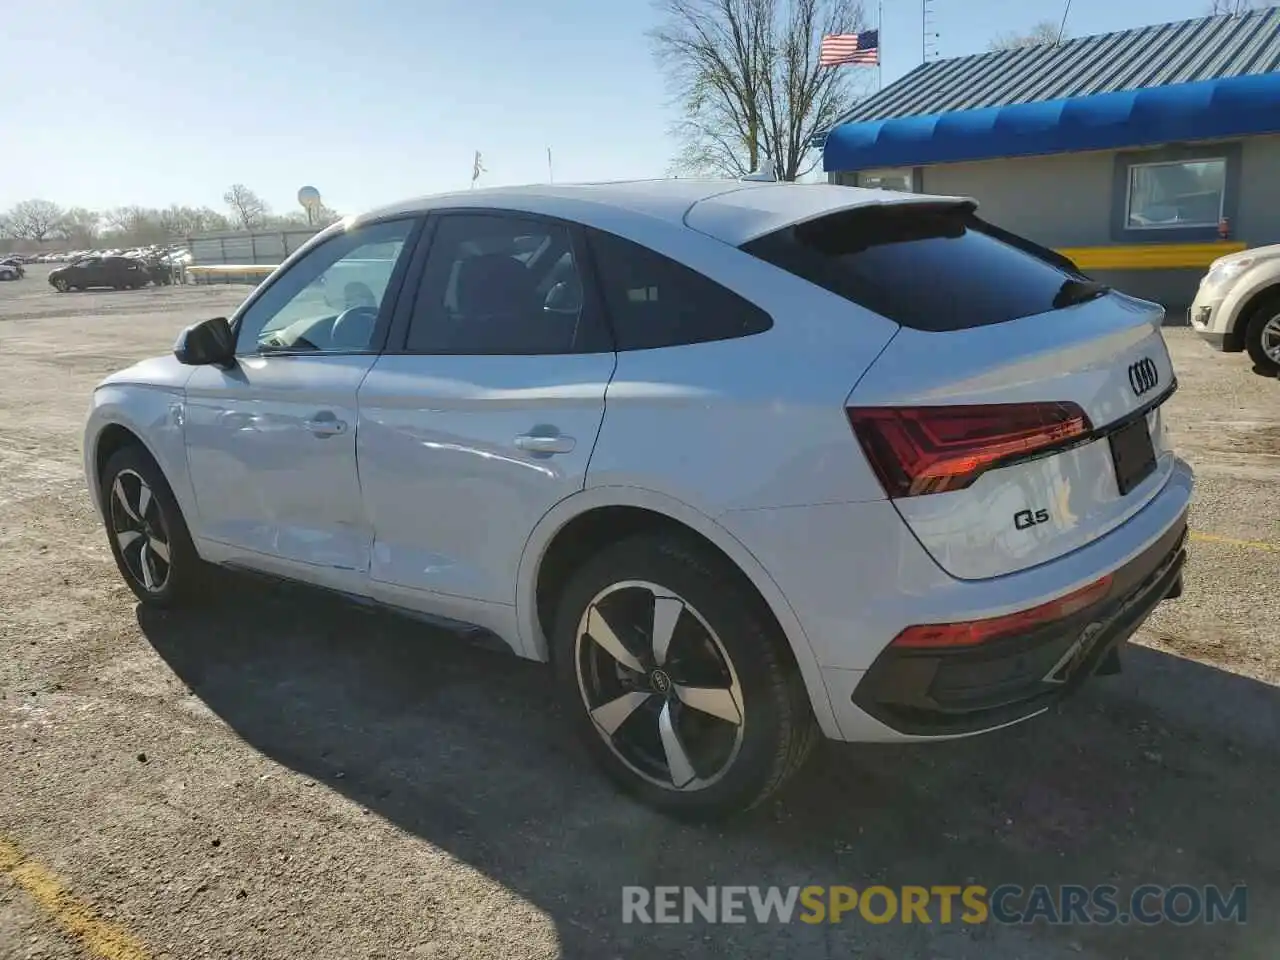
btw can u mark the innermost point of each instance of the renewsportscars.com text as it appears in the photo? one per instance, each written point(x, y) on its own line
point(1064, 904)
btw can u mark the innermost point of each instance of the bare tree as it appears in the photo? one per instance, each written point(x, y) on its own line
point(744, 75)
point(180, 221)
point(135, 225)
point(1232, 7)
point(79, 226)
point(248, 210)
point(33, 220)
point(1044, 33)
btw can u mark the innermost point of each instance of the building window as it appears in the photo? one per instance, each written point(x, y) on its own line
point(901, 179)
point(1177, 194)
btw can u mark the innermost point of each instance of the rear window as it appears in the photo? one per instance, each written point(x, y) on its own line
point(930, 267)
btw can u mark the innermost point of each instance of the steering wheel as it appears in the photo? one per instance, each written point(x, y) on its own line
point(353, 328)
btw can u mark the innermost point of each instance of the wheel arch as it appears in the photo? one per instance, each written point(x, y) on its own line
point(111, 437)
point(110, 430)
point(1247, 303)
point(576, 526)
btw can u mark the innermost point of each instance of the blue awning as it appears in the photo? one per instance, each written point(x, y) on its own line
point(1207, 110)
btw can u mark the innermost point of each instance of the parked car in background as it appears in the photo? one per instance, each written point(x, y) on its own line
point(710, 448)
point(13, 265)
point(1238, 305)
point(122, 273)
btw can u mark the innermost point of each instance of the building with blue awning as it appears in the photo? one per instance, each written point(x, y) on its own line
point(1143, 154)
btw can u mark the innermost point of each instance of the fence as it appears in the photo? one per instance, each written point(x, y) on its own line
point(254, 247)
point(241, 257)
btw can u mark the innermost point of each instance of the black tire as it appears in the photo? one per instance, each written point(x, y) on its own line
point(1265, 313)
point(775, 731)
point(162, 522)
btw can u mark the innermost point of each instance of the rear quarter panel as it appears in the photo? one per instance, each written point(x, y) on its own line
point(750, 423)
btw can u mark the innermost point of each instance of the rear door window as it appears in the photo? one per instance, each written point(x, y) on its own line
point(925, 266)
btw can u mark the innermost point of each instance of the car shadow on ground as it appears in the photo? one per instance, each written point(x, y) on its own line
point(1167, 774)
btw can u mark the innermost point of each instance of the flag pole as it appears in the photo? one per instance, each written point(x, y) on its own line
point(880, 47)
point(551, 177)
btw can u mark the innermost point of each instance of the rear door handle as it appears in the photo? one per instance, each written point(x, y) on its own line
point(325, 424)
point(545, 443)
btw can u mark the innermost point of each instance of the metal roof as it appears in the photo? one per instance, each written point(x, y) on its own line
point(1209, 48)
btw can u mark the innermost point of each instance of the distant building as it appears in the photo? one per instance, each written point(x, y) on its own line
point(1135, 153)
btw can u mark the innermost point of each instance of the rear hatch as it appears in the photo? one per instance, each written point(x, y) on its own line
point(1016, 415)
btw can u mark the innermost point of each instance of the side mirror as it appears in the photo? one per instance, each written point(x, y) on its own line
point(209, 342)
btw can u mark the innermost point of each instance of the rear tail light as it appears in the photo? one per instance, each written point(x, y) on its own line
point(919, 450)
point(971, 633)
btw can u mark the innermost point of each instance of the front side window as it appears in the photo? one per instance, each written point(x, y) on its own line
point(330, 300)
point(1187, 193)
point(502, 284)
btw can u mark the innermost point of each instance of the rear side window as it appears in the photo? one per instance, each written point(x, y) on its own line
point(930, 267)
point(655, 302)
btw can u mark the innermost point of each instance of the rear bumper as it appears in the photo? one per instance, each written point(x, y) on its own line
point(956, 692)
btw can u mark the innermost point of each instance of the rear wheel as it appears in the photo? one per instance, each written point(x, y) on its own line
point(677, 679)
point(148, 536)
point(1262, 336)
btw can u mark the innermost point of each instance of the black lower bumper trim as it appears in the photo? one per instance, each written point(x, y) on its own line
point(939, 692)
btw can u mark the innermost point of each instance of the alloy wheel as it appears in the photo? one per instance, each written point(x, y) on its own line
point(1271, 338)
point(139, 528)
point(659, 686)
point(60, 285)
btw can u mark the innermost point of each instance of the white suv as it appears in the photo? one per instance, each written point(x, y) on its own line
point(1238, 305)
point(746, 462)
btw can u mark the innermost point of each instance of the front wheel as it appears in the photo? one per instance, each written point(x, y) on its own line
point(148, 536)
point(678, 680)
point(1262, 337)
point(61, 285)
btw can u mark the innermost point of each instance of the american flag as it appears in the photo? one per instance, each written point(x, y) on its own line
point(844, 48)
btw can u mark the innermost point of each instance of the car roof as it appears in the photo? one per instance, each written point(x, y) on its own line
point(735, 211)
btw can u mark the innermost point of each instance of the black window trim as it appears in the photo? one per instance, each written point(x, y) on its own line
point(593, 302)
point(386, 309)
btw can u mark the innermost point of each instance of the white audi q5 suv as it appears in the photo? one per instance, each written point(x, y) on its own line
point(745, 462)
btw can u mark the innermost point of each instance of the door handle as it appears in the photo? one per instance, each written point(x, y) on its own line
point(545, 443)
point(326, 425)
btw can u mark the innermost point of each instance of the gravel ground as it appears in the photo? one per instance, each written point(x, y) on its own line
point(286, 776)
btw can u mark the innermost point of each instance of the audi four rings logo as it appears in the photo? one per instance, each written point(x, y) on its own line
point(1143, 376)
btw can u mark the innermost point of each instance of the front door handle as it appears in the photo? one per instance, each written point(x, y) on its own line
point(545, 443)
point(325, 424)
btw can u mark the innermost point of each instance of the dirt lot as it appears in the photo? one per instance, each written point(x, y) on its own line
point(282, 776)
